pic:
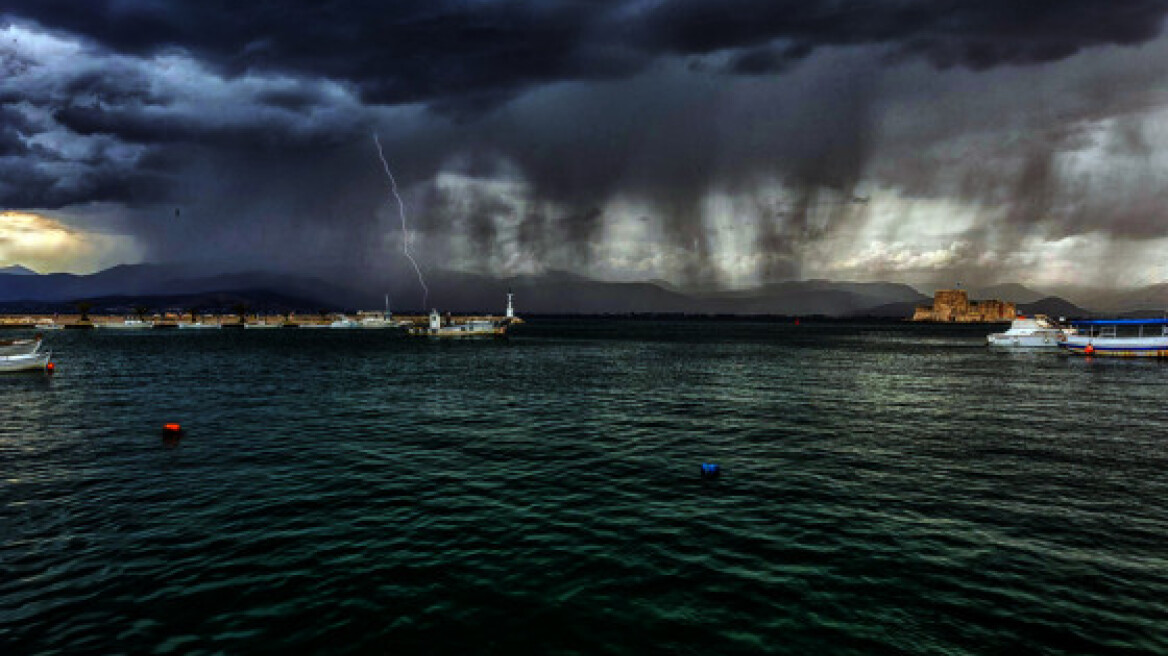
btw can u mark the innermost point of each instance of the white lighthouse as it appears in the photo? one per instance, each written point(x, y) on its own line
point(510, 307)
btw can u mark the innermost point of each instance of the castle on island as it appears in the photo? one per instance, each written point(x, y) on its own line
point(953, 305)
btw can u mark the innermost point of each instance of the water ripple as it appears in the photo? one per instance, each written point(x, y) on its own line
point(887, 489)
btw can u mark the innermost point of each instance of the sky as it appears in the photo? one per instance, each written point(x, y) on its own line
point(707, 143)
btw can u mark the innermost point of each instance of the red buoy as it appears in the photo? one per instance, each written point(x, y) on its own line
point(1089, 350)
point(171, 430)
point(50, 367)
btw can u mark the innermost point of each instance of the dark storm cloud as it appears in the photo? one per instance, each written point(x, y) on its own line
point(441, 51)
point(259, 127)
point(133, 125)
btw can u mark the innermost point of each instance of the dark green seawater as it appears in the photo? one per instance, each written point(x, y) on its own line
point(886, 489)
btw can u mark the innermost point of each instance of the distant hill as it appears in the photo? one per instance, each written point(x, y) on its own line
point(551, 292)
point(889, 311)
point(17, 270)
point(1053, 306)
point(1150, 301)
point(151, 280)
point(807, 297)
point(1011, 292)
point(256, 300)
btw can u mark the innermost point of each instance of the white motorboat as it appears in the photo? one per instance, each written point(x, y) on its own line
point(1037, 331)
point(345, 322)
point(50, 325)
point(128, 324)
point(373, 321)
point(261, 325)
point(27, 362)
point(198, 325)
point(10, 347)
point(1130, 338)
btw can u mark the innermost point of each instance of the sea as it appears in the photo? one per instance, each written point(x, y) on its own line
point(884, 488)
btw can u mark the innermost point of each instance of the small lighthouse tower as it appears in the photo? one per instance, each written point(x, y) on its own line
point(510, 307)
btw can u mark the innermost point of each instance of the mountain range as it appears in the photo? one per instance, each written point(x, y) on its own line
point(182, 286)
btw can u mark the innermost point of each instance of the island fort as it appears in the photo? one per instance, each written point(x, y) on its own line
point(954, 305)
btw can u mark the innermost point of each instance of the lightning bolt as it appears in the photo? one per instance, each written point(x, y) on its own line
point(401, 206)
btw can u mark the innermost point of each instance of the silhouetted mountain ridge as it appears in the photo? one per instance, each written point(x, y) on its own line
point(550, 292)
point(17, 270)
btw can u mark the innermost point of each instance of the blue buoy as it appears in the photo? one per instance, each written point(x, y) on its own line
point(710, 470)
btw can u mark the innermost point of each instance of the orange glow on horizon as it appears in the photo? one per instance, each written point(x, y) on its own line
point(46, 245)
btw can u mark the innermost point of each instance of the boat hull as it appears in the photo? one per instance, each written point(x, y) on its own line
point(1036, 340)
point(30, 362)
point(19, 347)
point(129, 325)
point(1121, 347)
point(457, 332)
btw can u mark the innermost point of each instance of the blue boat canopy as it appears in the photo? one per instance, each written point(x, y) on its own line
point(1121, 322)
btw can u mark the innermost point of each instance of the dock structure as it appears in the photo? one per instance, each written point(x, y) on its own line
point(174, 320)
point(954, 306)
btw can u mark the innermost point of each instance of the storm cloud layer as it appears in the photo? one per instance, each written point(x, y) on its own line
point(713, 143)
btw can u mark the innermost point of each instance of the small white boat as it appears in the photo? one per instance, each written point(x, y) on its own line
point(10, 347)
point(344, 322)
point(128, 324)
point(261, 325)
point(1128, 338)
point(380, 321)
point(50, 325)
point(198, 325)
point(28, 362)
point(1037, 331)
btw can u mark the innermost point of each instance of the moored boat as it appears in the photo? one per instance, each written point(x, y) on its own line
point(27, 362)
point(1037, 331)
point(197, 325)
point(379, 320)
point(10, 347)
point(128, 324)
point(1131, 338)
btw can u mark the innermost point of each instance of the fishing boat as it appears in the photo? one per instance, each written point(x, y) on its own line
point(128, 324)
point(384, 320)
point(380, 322)
point(27, 362)
point(1037, 331)
point(489, 327)
point(197, 325)
point(344, 322)
point(11, 347)
point(1132, 338)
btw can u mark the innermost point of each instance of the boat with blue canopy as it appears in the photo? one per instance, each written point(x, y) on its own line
point(1130, 338)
